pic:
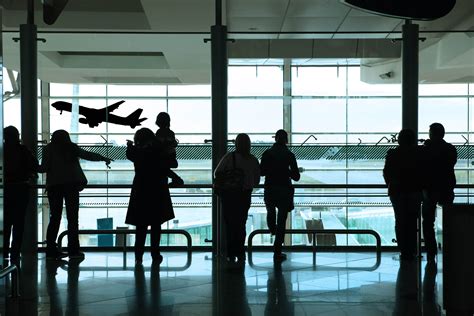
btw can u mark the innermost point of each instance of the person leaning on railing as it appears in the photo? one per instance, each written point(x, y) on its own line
point(19, 167)
point(403, 175)
point(150, 200)
point(64, 180)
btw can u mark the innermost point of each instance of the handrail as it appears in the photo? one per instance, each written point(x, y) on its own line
point(13, 270)
point(126, 232)
point(315, 232)
point(296, 186)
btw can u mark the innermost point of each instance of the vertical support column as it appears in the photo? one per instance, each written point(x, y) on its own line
point(1, 147)
point(45, 136)
point(29, 122)
point(410, 76)
point(29, 135)
point(410, 105)
point(219, 121)
point(287, 126)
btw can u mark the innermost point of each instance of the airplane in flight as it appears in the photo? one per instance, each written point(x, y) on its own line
point(93, 117)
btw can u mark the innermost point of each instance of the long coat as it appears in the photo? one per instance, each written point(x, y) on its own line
point(150, 200)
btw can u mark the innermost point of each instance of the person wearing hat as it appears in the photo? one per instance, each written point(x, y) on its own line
point(279, 167)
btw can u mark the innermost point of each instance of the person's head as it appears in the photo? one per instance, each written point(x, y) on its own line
point(406, 138)
point(281, 137)
point(242, 144)
point(11, 135)
point(436, 131)
point(163, 120)
point(144, 137)
point(60, 137)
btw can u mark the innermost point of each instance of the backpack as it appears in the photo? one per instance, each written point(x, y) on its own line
point(229, 181)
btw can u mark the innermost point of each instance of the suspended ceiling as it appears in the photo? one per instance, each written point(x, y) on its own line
point(162, 41)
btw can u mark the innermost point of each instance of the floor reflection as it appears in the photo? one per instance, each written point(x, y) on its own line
point(277, 300)
point(232, 289)
point(147, 294)
point(100, 285)
point(408, 300)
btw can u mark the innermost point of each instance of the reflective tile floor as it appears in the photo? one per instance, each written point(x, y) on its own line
point(339, 284)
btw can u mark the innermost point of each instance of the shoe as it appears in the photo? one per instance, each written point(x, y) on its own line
point(175, 183)
point(157, 259)
point(279, 257)
point(55, 255)
point(76, 255)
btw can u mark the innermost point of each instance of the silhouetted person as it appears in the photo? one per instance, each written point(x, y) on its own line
point(64, 180)
point(279, 167)
point(150, 200)
point(19, 167)
point(236, 205)
point(402, 173)
point(439, 159)
point(167, 142)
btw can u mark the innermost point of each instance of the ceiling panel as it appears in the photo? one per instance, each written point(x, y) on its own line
point(319, 8)
point(257, 8)
point(368, 24)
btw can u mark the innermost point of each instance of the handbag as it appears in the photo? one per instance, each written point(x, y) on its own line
point(229, 181)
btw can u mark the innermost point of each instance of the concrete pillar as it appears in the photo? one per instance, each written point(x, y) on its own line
point(410, 76)
point(219, 121)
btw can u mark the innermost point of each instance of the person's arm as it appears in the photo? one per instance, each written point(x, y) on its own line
point(387, 169)
point(294, 171)
point(91, 156)
point(131, 152)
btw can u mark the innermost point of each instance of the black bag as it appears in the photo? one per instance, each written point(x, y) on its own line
point(229, 181)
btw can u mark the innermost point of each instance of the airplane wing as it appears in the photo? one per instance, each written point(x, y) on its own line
point(114, 106)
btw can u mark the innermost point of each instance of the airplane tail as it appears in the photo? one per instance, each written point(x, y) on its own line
point(134, 118)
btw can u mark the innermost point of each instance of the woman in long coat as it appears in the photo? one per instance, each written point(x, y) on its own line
point(150, 200)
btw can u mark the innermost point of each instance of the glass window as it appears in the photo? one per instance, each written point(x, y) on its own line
point(318, 81)
point(318, 115)
point(83, 90)
point(255, 116)
point(356, 87)
point(255, 81)
point(189, 90)
point(375, 115)
point(136, 90)
point(190, 116)
point(442, 89)
point(451, 112)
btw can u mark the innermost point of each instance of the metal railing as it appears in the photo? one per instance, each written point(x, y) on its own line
point(13, 270)
point(314, 232)
point(126, 232)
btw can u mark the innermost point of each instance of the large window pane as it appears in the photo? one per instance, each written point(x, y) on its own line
point(319, 115)
point(451, 112)
point(255, 116)
point(356, 87)
point(318, 81)
point(136, 90)
point(255, 81)
point(375, 115)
